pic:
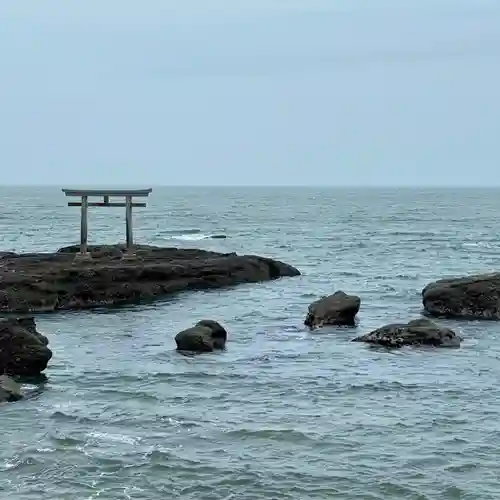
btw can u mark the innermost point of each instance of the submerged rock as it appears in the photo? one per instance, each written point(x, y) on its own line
point(470, 297)
point(337, 309)
point(420, 331)
point(10, 390)
point(23, 350)
point(51, 282)
point(206, 336)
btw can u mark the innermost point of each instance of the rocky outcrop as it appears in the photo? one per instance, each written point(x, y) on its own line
point(205, 336)
point(471, 297)
point(23, 351)
point(338, 309)
point(50, 282)
point(9, 390)
point(421, 331)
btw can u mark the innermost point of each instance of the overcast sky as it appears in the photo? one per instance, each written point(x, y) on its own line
point(257, 92)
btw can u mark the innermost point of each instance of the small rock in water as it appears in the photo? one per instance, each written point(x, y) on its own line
point(338, 309)
point(10, 390)
point(24, 351)
point(206, 336)
point(417, 332)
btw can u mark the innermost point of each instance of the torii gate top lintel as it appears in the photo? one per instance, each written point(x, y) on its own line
point(108, 192)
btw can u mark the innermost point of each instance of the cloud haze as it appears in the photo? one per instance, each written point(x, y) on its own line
point(317, 92)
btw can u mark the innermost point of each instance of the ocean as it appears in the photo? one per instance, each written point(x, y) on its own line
point(283, 413)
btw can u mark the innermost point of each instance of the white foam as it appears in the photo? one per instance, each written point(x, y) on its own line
point(191, 237)
point(120, 438)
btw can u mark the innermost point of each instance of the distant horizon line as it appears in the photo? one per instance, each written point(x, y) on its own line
point(248, 186)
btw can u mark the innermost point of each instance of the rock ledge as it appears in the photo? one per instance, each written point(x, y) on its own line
point(46, 282)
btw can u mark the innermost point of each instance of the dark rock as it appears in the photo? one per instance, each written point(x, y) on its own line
point(205, 336)
point(9, 390)
point(420, 331)
point(338, 309)
point(23, 351)
point(4, 255)
point(471, 297)
point(49, 282)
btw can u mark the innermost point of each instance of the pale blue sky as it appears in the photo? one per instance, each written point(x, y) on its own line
point(265, 92)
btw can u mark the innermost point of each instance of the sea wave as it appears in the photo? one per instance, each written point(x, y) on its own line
point(189, 235)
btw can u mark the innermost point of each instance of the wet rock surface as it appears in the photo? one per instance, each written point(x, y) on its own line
point(205, 336)
point(57, 281)
point(23, 350)
point(470, 297)
point(338, 309)
point(420, 331)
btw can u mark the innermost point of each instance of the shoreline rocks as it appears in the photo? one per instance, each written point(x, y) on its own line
point(206, 336)
point(24, 351)
point(47, 282)
point(419, 332)
point(338, 309)
point(470, 297)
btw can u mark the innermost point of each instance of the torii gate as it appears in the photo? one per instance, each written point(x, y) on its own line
point(128, 194)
